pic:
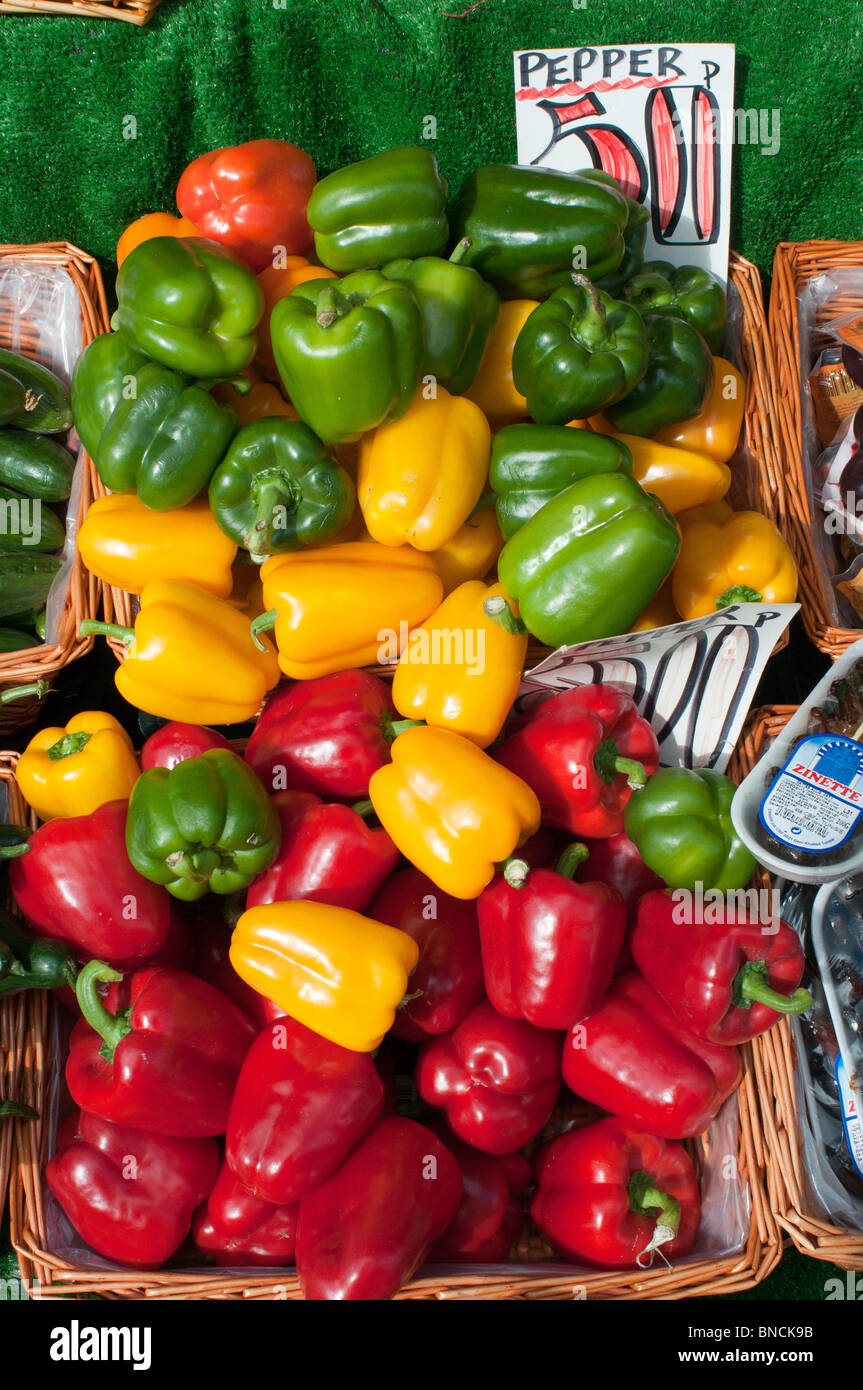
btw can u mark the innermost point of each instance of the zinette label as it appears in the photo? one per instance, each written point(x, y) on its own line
point(816, 799)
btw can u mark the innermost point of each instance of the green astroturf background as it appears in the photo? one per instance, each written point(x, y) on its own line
point(347, 78)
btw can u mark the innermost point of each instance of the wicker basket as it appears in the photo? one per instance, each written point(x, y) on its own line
point(85, 593)
point(795, 264)
point(132, 11)
point(26, 1019)
point(774, 1068)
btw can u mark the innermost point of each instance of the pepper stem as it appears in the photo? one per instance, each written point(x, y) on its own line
point(391, 728)
point(609, 762)
point(269, 489)
point(90, 628)
point(572, 856)
point(750, 986)
point(17, 1110)
point(461, 250)
point(739, 593)
point(488, 499)
point(263, 623)
point(68, 745)
point(362, 808)
point(112, 1028)
point(591, 327)
point(500, 612)
point(328, 305)
point(646, 1198)
point(516, 871)
point(38, 688)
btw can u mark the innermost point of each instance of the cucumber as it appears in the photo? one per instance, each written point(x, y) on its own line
point(46, 408)
point(28, 524)
point(35, 466)
point(12, 639)
point(25, 581)
point(12, 397)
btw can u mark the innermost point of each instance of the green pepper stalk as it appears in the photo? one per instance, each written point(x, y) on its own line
point(645, 1199)
point(750, 986)
point(112, 1028)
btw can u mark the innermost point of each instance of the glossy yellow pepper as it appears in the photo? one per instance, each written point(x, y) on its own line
point(660, 612)
point(339, 973)
point(450, 809)
point(420, 477)
point(678, 477)
point(345, 605)
point(129, 546)
point(73, 771)
point(461, 668)
point(471, 552)
point(730, 557)
point(716, 431)
point(493, 388)
point(191, 657)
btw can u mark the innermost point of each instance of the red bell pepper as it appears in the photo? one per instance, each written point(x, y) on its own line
point(635, 1058)
point(300, 1104)
point(549, 946)
point(129, 1194)
point(583, 752)
point(176, 743)
point(610, 1196)
point(496, 1078)
point(490, 1213)
point(616, 861)
point(725, 980)
point(447, 979)
point(237, 1229)
point(75, 884)
point(211, 934)
point(369, 1226)
point(328, 854)
point(166, 1060)
point(326, 736)
point(252, 198)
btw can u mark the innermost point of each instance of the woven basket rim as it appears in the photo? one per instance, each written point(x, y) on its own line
point(137, 12)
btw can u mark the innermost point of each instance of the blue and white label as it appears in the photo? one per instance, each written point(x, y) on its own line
point(816, 799)
point(850, 1119)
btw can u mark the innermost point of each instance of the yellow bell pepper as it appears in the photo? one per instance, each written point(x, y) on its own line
point(678, 477)
point(450, 809)
point(339, 973)
point(493, 388)
point(730, 557)
point(345, 605)
point(420, 477)
point(461, 668)
point(660, 612)
point(73, 771)
point(471, 552)
point(716, 430)
point(191, 657)
point(129, 546)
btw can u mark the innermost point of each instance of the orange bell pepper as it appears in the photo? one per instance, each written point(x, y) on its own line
point(716, 431)
point(73, 771)
point(276, 283)
point(262, 400)
point(472, 551)
point(347, 605)
point(678, 477)
point(338, 973)
point(730, 557)
point(450, 809)
point(461, 668)
point(152, 224)
point(493, 388)
point(129, 546)
point(421, 476)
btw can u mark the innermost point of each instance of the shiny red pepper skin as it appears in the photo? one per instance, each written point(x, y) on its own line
point(365, 1231)
point(496, 1078)
point(175, 1070)
point(582, 1203)
point(140, 1223)
point(176, 743)
point(76, 884)
point(328, 854)
point(694, 966)
point(549, 947)
point(482, 1230)
point(449, 970)
point(636, 1059)
point(237, 1229)
point(300, 1104)
point(324, 736)
point(616, 861)
point(554, 748)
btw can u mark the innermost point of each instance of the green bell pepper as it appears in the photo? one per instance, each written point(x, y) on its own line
point(205, 825)
point(590, 560)
point(164, 439)
point(348, 352)
point(189, 304)
point(530, 227)
point(531, 464)
point(458, 309)
point(676, 385)
point(578, 353)
point(277, 488)
point(379, 209)
point(104, 375)
point(680, 823)
point(634, 235)
point(683, 292)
